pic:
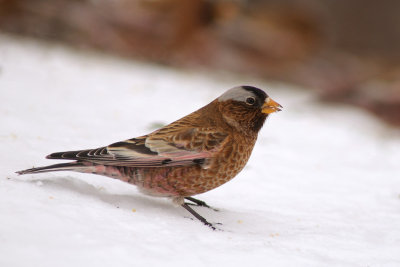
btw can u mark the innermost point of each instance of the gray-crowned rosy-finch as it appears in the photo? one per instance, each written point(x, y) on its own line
point(190, 156)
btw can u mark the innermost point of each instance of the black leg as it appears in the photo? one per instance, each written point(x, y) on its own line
point(199, 203)
point(198, 216)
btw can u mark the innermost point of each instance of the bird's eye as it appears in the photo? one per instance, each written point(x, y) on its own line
point(250, 100)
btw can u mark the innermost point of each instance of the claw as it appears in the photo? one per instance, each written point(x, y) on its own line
point(199, 217)
point(200, 203)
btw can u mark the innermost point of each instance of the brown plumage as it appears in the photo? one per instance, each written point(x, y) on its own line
point(190, 156)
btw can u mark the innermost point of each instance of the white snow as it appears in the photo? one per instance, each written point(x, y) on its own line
point(322, 187)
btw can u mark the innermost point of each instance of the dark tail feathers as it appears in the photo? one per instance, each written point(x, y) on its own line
point(71, 166)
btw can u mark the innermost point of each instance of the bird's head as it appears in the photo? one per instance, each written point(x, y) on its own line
point(246, 107)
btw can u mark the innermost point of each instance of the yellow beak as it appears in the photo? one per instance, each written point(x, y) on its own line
point(270, 106)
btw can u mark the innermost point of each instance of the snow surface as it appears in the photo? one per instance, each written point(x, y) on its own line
point(322, 187)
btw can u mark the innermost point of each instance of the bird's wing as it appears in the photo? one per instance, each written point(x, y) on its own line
point(173, 147)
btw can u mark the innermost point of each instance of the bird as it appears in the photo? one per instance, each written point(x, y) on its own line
point(187, 157)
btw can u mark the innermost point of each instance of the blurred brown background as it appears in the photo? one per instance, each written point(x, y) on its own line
point(346, 51)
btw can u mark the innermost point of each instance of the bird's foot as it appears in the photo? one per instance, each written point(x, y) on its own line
point(200, 203)
point(213, 226)
point(200, 218)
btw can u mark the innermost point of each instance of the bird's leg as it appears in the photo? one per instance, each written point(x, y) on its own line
point(199, 202)
point(198, 216)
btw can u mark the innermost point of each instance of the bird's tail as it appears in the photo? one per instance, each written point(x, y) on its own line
point(70, 166)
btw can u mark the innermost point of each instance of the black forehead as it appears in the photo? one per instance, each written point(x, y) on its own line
point(256, 91)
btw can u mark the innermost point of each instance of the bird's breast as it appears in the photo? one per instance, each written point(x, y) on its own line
point(231, 161)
